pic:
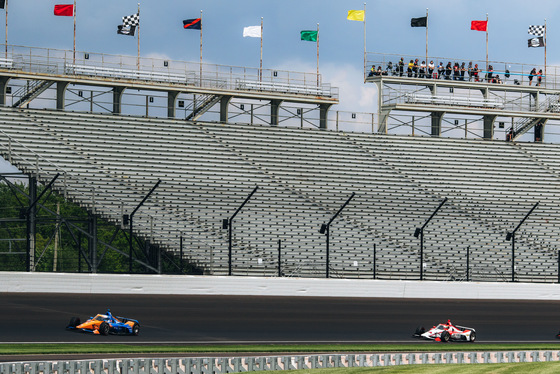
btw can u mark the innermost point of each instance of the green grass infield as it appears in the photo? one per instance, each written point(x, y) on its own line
point(67, 348)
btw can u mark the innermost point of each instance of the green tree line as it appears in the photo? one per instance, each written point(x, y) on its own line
point(59, 251)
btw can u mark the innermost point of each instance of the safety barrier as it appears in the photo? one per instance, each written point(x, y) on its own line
point(222, 365)
point(454, 100)
point(282, 87)
point(100, 71)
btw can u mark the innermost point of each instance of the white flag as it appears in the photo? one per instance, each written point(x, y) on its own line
point(252, 31)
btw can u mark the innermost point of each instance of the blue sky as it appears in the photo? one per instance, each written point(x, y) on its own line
point(32, 23)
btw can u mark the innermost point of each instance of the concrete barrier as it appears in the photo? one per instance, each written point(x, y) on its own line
point(257, 286)
point(223, 365)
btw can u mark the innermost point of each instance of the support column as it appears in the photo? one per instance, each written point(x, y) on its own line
point(539, 130)
point(488, 126)
point(383, 118)
point(224, 103)
point(3, 85)
point(31, 224)
point(117, 98)
point(274, 109)
point(437, 117)
point(60, 93)
point(171, 99)
point(92, 242)
point(323, 115)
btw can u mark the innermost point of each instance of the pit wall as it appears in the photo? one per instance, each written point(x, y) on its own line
point(260, 286)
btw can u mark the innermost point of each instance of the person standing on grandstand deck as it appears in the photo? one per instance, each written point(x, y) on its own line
point(401, 67)
point(470, 71)
point(463, 70)
point(422, 72)
point(531, 75)
point(476, 70)
point(539, 77)
point(448, 70)
point(431, 68)
point(415, 68)
point(440, 70)
point(409, 68)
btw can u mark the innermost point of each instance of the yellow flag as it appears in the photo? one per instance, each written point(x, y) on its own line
point(356, 15)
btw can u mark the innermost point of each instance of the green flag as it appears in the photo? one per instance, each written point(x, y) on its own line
point(309, 35)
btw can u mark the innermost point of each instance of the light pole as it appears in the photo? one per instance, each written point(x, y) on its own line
point(228, 224)
point(325, 229)
point(128, 220)
point(511, 236)
point(420, 232)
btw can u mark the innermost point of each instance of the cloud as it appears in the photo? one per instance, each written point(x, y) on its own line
point(354, 95)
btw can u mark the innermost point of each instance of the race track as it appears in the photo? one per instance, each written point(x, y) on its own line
point(225, 319)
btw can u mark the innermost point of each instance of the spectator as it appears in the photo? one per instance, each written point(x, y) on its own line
point(380, 71)
point(371, 71)
point(401, 67)
point(431, 68)
point(409, 68)
point(490, 73)
point(531, 75)
point(476, 71)
point(422, 71)
point(509, 135)
point(448, 70)
point(441, 70)
point(539, 77)
point(456, 71)
point(415, 68)
point(470, 71)
point(390, 68)
point(463, 70)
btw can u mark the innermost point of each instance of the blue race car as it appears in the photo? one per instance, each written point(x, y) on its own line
point(105, 324)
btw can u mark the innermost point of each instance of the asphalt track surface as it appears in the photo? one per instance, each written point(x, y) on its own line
point(36, 318)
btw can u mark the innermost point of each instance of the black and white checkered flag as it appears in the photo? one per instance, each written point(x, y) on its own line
point(132, 20)
point(537, 30)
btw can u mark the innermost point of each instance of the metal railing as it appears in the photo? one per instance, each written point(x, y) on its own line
point(508, 72)
point(62, 62)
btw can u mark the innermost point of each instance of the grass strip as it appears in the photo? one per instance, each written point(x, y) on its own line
point(68, 348)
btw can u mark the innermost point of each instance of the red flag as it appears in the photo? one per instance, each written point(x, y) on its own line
point(64, 10)
point(479, 25)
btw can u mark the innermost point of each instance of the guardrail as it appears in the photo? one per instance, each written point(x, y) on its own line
point(415, 98)
point(510, 72)
point(223, 365)
point(54, 61)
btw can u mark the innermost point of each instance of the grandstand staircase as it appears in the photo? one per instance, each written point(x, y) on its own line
point(551, 104)
point(206, 102)
point(30, 91)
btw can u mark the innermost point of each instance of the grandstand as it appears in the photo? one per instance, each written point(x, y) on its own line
point(109, 161)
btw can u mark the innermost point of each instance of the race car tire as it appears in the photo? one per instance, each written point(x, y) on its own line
point(135, 329)
point(104, 328)
point(74, 321)
point(473, 337)
point(420, 330)
point(444, 337)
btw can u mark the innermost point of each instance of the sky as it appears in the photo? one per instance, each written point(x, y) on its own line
point(32, 24)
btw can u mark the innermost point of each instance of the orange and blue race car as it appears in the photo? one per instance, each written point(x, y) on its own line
point(105, 324)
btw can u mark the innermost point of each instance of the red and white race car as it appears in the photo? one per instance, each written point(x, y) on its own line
point(445, 332)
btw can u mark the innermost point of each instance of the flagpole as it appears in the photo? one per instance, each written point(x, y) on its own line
point(74, 45)
point(261, 64)
point(317, 54)
point(6, 29)
point(426, 37)
point(486, 41)
point(138, 56)
point(365, 53)
point(545, 51)
point(201, 48)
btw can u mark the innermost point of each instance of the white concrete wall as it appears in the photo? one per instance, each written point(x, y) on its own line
point(210, 285)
